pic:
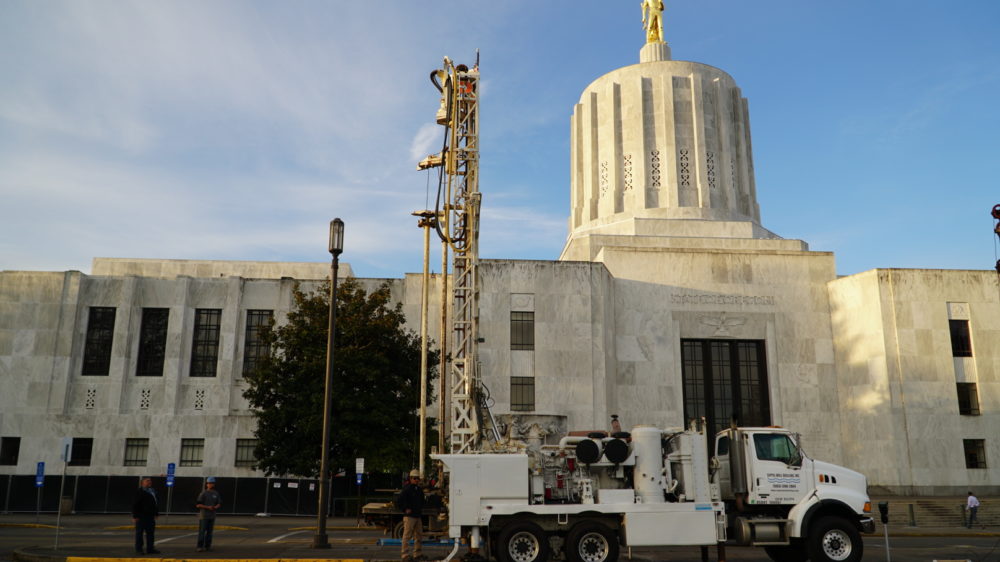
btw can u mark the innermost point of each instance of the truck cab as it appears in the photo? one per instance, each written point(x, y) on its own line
point(779, 498)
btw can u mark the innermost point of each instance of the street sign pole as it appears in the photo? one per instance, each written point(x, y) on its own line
point(39, 483)
point(171, 467)
point(67, 446)
point(359, 469)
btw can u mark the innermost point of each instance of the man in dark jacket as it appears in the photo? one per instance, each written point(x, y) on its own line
point(411, 502)
point(144, 514)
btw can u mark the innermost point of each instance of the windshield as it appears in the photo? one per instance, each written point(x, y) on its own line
point(776, 447)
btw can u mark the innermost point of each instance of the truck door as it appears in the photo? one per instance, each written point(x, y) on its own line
point(775, 469)
point(721, 465)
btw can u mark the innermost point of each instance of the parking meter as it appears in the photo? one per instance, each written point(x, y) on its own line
point(883, 509)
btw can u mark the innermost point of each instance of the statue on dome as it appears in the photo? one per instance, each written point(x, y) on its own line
point(652, 20)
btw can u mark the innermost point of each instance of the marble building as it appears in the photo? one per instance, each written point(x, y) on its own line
point(670, 301)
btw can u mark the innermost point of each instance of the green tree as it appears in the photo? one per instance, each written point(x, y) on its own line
point(376, 385)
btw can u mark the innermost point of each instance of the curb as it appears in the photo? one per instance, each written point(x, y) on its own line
point(176, 528)
point(21, 556)
point(28, 525)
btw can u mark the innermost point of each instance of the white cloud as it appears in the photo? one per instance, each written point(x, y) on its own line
point(426, 141)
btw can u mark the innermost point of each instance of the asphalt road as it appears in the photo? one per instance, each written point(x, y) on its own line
point(285, 537)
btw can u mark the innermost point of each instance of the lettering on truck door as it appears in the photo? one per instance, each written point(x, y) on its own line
point(776, 469)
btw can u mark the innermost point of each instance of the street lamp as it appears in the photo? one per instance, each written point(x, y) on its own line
point(336, 247)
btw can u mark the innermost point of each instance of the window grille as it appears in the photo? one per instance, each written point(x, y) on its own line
point(136, 450)
point(254, 349)
point(97, 347)
point(522, 394)
point(245, 452)
point(192, 451)
point(152, 342)
point(522, 330)
point(205, 343)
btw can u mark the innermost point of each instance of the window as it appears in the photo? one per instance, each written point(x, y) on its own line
point(522, 394)
point(136, 450)
point(9, 449)
point(192, 451)
point(961, 342)
point(776, 447)
point(205, 346)
point(975, 453)
point(254, 350)
point(244, 452)
point(80, 452)
point(97, 348)
point(968, 399)
point(725, 380)
point(152, 342)
point(522, 330)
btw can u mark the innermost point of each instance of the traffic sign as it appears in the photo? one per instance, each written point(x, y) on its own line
point(40, 475)
point(171, 468)
point(359, 478)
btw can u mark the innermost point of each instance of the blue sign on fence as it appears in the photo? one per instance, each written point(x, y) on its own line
point(359, 479)
point(171, 467)
point(40, 475)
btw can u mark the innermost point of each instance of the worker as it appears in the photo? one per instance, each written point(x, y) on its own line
point(972, 506)
point(411, 502)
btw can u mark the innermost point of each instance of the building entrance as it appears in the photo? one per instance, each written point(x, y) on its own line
point(725, 380)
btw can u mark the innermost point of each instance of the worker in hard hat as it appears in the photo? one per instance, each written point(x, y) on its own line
point(411, 502)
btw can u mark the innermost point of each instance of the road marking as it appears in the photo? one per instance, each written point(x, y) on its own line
point(175, 538)
point(278, 539)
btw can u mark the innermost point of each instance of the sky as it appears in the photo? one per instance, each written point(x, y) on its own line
point(235, 130)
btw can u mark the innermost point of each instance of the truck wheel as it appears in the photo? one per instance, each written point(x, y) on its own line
point(590, 541)
point(397, 530)
point(790, 553)
point(522, 541)
point(834, 539)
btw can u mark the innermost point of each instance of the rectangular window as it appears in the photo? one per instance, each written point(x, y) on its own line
point(81, 451)
point(152, 342)
point(968, 399)
point(192, 451)
point(522, 394)
point(975, 453)
point(244, 452)
point(97, 347)
point(522, 330)
point(961, 342)
point(10, 447)
point(725, 380)
point(254, 349)
point(205, 344)
point(136, 450)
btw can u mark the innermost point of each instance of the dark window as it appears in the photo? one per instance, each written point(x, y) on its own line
point(80, 453)
point(725, 380)
point(244, 452)
point(722, 445)
point(205, 345)
point(152, 342)
point(97, 348)
point(961, 342)
point(9, 449)
point(975, 453)
point(968, 399)
point(522, 330)
point(136, 450)
point(522, 394)
point(254, 349)
point(775, 447)
point(192, 451)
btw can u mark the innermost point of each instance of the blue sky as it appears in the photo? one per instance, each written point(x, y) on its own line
point(237, 130)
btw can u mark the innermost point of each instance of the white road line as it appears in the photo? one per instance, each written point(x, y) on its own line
point(177, 537)
point(276, 539)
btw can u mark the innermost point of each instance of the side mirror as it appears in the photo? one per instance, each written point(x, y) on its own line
point(883, 509)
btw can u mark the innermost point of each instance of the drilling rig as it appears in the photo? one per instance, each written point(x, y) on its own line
point(457, 224)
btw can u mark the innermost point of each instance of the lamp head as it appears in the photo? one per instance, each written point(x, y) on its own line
point(336, 237)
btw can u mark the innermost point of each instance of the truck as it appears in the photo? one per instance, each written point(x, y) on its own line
point(588, 496)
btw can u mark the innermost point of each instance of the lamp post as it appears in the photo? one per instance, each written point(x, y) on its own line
point(336, 247)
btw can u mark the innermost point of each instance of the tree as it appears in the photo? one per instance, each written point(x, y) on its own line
point(376, 384)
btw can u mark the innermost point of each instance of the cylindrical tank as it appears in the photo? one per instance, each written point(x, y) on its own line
point(648, 464)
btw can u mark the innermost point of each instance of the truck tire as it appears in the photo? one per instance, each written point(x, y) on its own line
point(834, 539)
point(590, 541)
point(397, 530)
point(522, 541)
point(795, 552)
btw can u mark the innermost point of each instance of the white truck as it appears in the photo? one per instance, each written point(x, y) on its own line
point(588, 496)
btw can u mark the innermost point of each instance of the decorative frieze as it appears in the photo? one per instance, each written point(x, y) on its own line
point(716, 298)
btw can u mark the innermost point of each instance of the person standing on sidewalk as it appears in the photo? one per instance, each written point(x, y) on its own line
point(144, 514)
point(972, 506)
point(411, 502)
point(208, 502)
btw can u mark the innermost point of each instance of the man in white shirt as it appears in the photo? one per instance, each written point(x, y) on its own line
point(972, 505)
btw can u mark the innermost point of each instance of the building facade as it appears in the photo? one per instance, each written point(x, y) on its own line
point(669, 302)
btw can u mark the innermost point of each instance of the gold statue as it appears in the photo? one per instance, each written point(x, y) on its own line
point(653, 22)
